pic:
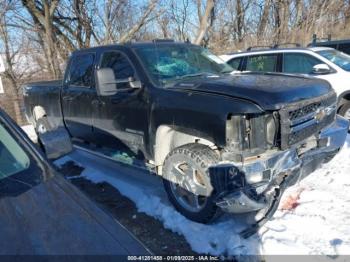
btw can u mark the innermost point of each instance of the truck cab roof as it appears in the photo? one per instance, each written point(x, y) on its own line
point(131, 45)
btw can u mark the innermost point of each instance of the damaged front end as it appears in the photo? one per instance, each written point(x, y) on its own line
point(255, 172)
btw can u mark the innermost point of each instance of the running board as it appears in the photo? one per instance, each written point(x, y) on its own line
point(149, 168)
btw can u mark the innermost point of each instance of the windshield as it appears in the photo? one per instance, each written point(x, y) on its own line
point(339, 58)
point(167, 64)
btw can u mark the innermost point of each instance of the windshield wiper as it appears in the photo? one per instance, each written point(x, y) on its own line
point(196, 75)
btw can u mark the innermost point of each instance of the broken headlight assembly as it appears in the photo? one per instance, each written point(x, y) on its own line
point(251, 133)
point(248, 137)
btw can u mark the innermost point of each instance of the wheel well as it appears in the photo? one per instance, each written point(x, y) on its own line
point(38, 112)
point(344, 98)
point(168, 138)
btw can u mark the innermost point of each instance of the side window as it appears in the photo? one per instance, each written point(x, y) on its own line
point(235, 62)
point(82, 70)
point(299, 63)
point(262, 63)
point(119, 63)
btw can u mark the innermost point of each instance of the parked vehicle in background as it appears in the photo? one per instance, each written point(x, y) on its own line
point(341, 45)
point(320, 62)
point(220, 142)
point(43, 214)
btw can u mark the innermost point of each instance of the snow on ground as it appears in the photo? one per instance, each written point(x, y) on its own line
point(320, 224)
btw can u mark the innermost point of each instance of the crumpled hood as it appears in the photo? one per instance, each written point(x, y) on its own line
point(269, 91)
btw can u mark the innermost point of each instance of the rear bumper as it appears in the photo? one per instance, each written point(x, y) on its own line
point(280, 170)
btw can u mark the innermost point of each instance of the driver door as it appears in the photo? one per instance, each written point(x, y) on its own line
point(121, 120)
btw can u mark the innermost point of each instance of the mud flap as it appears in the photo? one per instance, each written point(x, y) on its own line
point(56, 143)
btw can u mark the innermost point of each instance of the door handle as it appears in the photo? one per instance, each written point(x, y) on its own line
point(97, 102)
point(68, 98)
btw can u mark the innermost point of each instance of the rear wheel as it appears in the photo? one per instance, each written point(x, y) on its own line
point(42, 125)
point(187, 182)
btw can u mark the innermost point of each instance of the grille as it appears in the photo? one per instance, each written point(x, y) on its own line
point(298, 136)
point(303, 119)
point(310, 108)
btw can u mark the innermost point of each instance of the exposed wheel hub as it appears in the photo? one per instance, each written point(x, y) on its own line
point(189, 186)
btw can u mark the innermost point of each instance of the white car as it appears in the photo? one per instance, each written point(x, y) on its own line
point(321, 62)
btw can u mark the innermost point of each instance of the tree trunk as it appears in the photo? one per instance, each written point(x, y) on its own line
point(281, 19)
point(299, 5)
point(264, 18)
point(239, 20)
point(204, 20)
point(43, 19)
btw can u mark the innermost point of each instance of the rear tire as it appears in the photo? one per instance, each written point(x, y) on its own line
point(198, 158)
point(42, 125)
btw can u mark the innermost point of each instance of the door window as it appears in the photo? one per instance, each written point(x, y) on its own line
point(262, 63)
point(82, 70)
point(235, 62)
point(299, 63)
point(121, 66)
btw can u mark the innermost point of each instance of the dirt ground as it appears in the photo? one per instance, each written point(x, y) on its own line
point(148, 230)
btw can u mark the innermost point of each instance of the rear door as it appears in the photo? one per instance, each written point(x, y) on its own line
point(77, 95)
point(262, 63)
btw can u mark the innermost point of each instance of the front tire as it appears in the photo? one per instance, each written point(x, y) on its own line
point(189, 165)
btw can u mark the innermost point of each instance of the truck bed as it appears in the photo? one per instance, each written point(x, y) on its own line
point(45, 94)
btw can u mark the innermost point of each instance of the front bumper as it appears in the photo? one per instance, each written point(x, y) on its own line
point(282, 169)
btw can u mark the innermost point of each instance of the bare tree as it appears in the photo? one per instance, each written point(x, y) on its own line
point(281, 15)
point(42, 13)
point(239, 20)
point(119, 25)
point(205, 20)
point(145, 18)
point(179, 13)
point(264, 19)
point(9, 56)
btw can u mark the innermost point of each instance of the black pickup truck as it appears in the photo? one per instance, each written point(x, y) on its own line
point(221, 142)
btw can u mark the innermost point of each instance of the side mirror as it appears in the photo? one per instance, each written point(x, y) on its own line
point(321, 69)
point(106, 82)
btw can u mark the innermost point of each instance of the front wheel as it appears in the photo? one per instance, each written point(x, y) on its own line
point(186, 171)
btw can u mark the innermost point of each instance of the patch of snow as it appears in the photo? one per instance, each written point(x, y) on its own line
point(319, 224)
